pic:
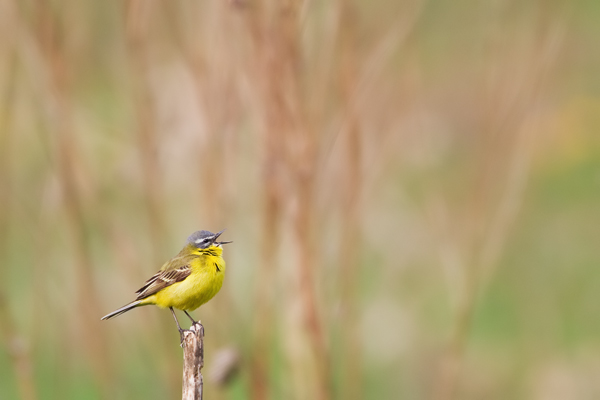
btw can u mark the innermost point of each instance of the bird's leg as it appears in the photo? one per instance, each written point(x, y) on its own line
point(190, 317)
point(177, 322)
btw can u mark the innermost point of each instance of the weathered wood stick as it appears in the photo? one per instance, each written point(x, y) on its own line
point(193, 361)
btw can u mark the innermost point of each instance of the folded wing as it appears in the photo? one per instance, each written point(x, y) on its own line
point(162, 279)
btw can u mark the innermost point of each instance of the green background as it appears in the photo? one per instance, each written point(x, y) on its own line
point(412, 189)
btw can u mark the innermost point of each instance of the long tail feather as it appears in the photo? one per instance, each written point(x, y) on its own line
point(123, 309)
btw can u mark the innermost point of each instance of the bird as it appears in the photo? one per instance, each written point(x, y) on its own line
point(187, 281)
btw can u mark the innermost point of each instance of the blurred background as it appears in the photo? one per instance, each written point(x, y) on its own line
point(412, 189)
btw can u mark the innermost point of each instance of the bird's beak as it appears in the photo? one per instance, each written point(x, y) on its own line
point(217, 236)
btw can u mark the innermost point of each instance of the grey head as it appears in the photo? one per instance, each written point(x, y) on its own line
point(204, 239)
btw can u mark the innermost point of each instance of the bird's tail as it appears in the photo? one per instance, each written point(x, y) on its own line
point(123, 309)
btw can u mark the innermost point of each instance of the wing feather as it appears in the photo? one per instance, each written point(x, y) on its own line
point(169, 274)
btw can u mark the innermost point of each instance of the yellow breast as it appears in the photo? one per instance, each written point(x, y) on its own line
point(200, 286)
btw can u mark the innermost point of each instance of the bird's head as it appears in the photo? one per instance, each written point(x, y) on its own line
point(205, 239)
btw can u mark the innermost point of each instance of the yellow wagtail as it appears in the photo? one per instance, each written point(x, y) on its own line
point(187, 281)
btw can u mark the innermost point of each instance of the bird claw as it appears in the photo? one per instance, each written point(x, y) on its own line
point(196, 326)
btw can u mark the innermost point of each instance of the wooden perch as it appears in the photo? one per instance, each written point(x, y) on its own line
point(193, 361)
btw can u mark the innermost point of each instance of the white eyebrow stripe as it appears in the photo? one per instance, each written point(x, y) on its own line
point(198, 240)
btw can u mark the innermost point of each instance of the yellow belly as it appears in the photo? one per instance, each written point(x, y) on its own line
point(203, 284)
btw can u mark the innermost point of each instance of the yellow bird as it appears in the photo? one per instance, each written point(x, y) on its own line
point(187, 281)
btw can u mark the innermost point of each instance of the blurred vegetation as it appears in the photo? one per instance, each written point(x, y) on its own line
point(412, 189)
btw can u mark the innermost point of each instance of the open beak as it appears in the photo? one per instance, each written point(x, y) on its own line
point(217, 236)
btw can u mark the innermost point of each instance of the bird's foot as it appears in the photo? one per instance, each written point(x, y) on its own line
point(181, 337)
point(190, 317)
point(194, 329)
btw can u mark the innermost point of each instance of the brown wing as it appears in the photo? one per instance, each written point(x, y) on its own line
point(162, 279)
